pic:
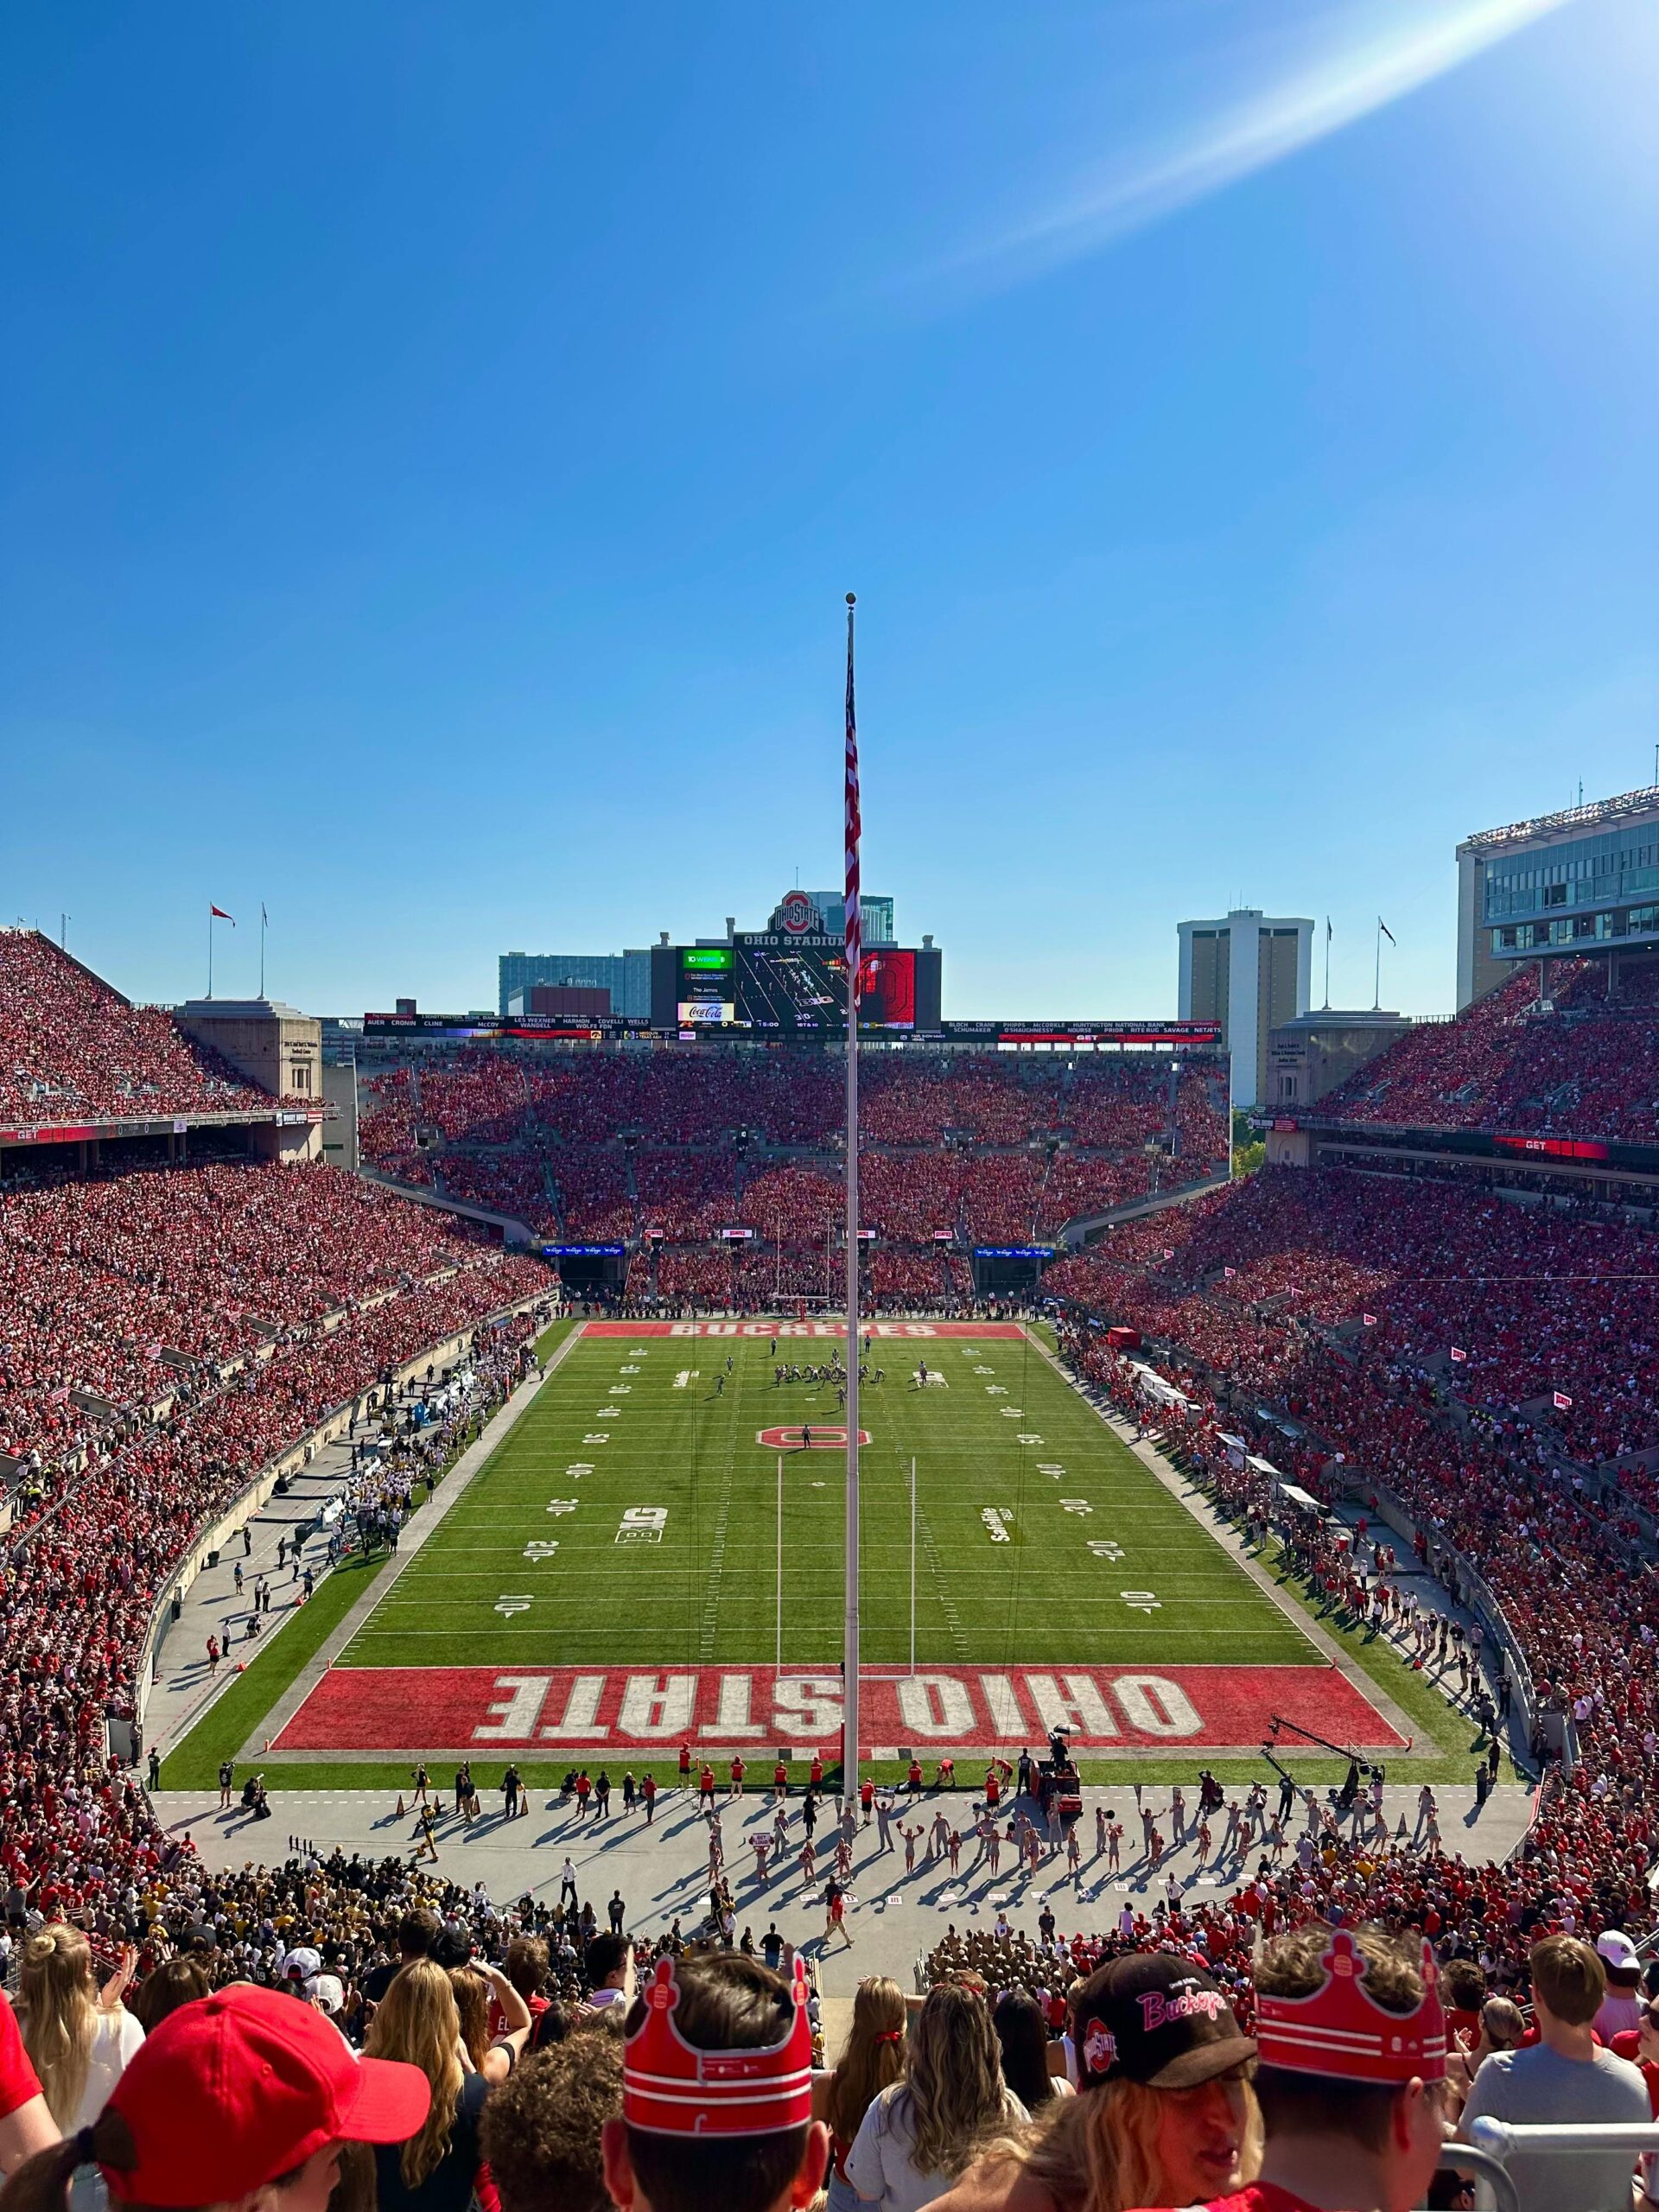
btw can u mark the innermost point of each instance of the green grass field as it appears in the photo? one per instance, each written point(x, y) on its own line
point(1100, 1565)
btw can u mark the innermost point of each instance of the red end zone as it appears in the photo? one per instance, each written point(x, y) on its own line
point(555, 1709)
point(884, 1332)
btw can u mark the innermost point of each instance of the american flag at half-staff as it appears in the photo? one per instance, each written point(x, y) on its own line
point(854, 919)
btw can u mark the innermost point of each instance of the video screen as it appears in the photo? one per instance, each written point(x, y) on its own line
point(706, 989)
point(805, 988)
point(886, 990)
point(792, 987)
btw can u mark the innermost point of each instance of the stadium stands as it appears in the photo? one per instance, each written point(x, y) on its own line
point(1578, 1065)
point(71, 1047)
point(994, 1148)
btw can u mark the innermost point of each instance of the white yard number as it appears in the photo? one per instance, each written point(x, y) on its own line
point(642, 1524)
point(1028, 1440)
point(539, 1548)
point(984, 1370)
point(996, 1389)
point(1012, 1412)
point(1103, 1548)
point(578, 1468)
point(619, 1390)
point(627, 1370)
point(1141, 1601)
point(516, 1601)
point(561, 1505)
point(596, 1436)
point(1075, 1505)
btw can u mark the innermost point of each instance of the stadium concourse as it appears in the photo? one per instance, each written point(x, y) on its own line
point(173, 1326)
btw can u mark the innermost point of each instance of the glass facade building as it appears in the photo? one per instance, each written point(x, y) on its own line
point(626, 975)
point(875, 915)
point(1585, 880)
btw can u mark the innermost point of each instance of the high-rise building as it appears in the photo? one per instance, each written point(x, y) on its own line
point(875, 915)
point(1582, 882)
point(626, 975)
point(1250, 972)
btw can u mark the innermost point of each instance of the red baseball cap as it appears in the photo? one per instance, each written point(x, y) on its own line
point(236, 2088)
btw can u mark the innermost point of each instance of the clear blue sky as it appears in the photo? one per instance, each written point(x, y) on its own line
point(438, 439)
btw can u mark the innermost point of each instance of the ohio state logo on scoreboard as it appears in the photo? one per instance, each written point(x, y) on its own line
point(797, 915)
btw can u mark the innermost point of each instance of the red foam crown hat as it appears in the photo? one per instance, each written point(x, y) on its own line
point(1339, 2029)
point(669, 2087)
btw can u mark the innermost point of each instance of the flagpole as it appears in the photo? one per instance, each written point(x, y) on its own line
point(1377, 996)
point(1327, 963)
point(854, 942)
point(210, 952)
point(261, 948)
point(781, 1560)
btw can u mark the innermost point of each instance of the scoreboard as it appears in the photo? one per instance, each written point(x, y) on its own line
point(773, 987)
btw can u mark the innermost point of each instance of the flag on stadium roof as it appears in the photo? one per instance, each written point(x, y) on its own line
point(219, 914)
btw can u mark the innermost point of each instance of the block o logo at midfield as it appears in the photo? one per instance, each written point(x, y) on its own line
point(797, 913)
point(827, 1439)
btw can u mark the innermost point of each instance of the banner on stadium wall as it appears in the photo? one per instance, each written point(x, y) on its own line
point(463, 1709)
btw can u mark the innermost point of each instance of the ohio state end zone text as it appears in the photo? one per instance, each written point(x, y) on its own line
point(375, 1709)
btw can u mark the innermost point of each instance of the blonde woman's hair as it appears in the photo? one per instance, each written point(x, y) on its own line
point(473, 2005)
point(873, 2057)
point(58, 2000)
point(1098, 2151)
point(417, 2022)
point(954, 2093)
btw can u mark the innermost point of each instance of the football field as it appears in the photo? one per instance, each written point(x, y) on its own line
point(656, 1548)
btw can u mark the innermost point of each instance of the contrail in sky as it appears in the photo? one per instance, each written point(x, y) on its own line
point(1395, 58)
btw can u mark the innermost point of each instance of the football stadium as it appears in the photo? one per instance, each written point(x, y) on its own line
point(946, 1545)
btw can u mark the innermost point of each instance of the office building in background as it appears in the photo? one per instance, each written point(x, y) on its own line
point(626, 975)
point(876, 915)
point(1251, 972)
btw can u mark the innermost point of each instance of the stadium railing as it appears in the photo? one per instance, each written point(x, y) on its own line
point(1400, 1518)
point(1504, 2139)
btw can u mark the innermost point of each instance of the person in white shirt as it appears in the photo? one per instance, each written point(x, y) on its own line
point(919, 2137)
point(78, 2037)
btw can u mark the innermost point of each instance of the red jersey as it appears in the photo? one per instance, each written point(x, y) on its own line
point(1626, 2044)
point(17, 2081)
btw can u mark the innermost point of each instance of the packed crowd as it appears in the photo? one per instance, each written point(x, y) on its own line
point(1578, 1592)
point(1540, 1302)
point(1342, 2074)
point(125, 1292)
point(1572, 1063)
point(667, 1148)
point(168, 1334)
point(70, 1046)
